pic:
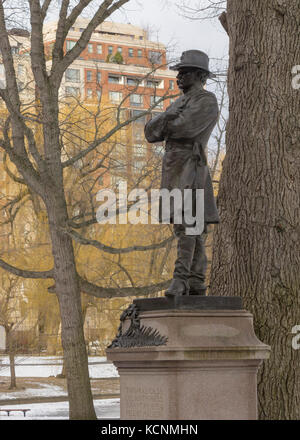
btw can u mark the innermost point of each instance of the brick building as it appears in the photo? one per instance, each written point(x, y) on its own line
point(118, 58)
point(118, 66)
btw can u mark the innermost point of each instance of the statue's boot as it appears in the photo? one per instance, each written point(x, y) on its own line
point(198, 268)
point(185, 252)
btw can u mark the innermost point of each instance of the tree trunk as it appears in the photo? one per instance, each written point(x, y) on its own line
point(68, 292)
point(256, 246)
point(11, 354)
point(62, 375)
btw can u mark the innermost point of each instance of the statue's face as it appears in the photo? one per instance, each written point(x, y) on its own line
point(186, 78)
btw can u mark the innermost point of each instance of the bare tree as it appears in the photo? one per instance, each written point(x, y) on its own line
point(11, 318)
point(255, 254)
point(37, 155)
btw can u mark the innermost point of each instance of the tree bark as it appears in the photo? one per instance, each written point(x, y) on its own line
point(69, 298)
point(256, 245)
point(11, 354)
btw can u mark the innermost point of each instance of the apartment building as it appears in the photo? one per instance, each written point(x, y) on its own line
point(119, 66)
point(119, 57)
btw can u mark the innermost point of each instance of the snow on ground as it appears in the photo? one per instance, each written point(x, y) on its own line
point(23, 359)
point(96, 371)
point(105, 409)
point(44, 390)
point(38, 367)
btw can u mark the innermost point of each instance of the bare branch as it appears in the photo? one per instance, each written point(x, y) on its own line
point(122, 292)
point(223, 21)
point(201, 9)
point(38, 62)
point(97, 244)
point(5, 49)
point(111, 132)
point(45, 7)
point(61, 32)
point(26, 273)
point(9, 172)
point(102, 13)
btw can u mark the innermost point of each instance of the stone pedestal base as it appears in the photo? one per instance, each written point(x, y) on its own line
point(206, 370)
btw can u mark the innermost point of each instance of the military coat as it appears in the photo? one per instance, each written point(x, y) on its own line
point(186, 137)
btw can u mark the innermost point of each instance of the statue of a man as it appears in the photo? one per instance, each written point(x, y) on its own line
point(186, 126)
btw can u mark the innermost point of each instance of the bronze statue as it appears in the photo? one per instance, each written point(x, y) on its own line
point(185, 127)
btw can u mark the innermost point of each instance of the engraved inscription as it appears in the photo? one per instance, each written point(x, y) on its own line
point(144, 402)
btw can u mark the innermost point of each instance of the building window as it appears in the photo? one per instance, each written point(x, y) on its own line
point(132, 81)
point(73, 75)
point(171, 84)
point(138, 134)
point(89, 93)
point(141, 119)
point(120, 50)
point(99, 49)
point(172, 100)
point(72, 91)
point(20, 69)
point(99, 93)
point(153, 83)
point(89, 75)
point(113, 79)
point(70, 44)
point(154, 57)
point(90, 48)
point(140, 53)
point(139, 165)
point(98, 77)
point(81, 29)
point(110, 50)
point(130, 52)
point(14, 50)
point(115, 97)
point(139, 150)
point(136, 100)
point(154, 99)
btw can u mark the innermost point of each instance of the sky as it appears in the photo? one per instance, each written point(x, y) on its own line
point(168, 26)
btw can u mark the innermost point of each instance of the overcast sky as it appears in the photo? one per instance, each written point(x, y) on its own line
point(169, 27)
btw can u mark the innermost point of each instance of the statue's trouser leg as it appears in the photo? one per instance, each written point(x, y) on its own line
point(198, 268)
point(185, 252)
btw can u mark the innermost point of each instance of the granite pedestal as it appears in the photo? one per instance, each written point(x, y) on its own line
point(203, 368)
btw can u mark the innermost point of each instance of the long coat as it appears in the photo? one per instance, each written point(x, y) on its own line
point(184, 162)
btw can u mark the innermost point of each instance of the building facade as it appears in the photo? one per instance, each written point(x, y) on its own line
point(119, 69)
point(118, 59)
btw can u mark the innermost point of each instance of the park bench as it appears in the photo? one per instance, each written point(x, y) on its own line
point(8, 411)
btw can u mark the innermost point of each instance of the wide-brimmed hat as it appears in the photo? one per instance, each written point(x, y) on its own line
point(194, 58)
